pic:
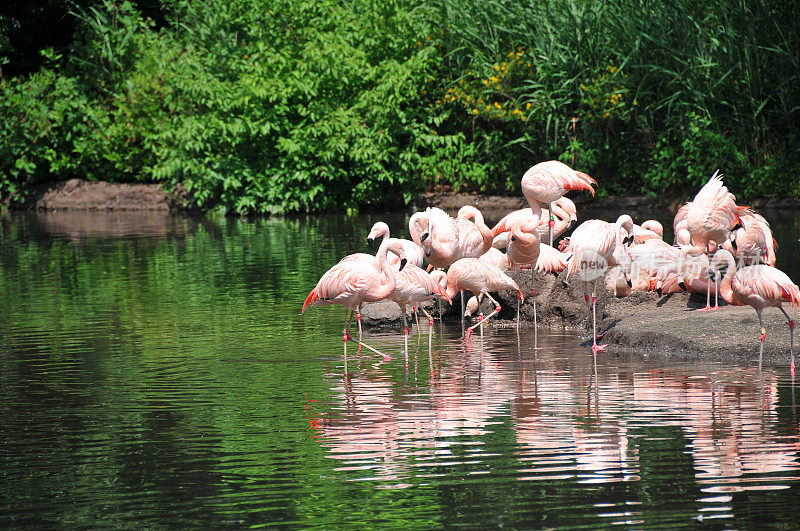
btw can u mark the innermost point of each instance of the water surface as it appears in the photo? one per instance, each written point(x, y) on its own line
point(155, 371)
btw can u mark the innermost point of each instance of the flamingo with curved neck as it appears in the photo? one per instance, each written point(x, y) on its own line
point(354, 282)
point(469, 246)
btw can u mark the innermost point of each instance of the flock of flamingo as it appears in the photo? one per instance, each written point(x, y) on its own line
point(717, 243)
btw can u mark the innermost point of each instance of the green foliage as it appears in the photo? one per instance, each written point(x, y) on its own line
point(49, 129)
point(274, 106)
point(644, 97)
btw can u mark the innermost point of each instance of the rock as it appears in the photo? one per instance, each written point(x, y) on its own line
point(380, 313)
point(387, 313)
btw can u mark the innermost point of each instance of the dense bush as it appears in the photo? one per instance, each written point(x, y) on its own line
point(278, 106)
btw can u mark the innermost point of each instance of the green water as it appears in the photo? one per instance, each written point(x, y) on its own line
point(155, 372)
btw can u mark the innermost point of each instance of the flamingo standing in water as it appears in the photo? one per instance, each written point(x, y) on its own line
point(547, 181)
point(762, 286)
point(480, 278)
point(413, 286)
point(523, 249)
point(593, 244)
point(354, 282)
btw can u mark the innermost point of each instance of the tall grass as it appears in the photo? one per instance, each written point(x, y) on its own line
point(645, 93)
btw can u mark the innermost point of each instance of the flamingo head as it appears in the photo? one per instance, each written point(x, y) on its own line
point(378, 229)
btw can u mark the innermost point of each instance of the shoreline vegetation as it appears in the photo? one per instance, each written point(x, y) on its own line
point(278, 106)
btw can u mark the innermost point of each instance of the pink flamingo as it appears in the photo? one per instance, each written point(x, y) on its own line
point(649, 230)
point(593, 244)
point(753, 243)
point(696, 274)
point(413, 286)
point(437, 233)
point(550, 260)
point(563, 211)
point(354, 282)
point(762, 286)
point(480, 278)
point(474, 237)
point(412, 250)
point(523, 249)
point(547, 181)
point(712, 215)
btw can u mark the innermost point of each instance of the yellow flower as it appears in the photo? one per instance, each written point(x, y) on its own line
point(528, 106)
point(497, 67)
point(494, 79)
point(474, 111)
point(497, 104)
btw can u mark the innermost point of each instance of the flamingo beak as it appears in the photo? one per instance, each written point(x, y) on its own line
point(513, 238)
point(423, 237)
point(402, 264)
point(371, 242)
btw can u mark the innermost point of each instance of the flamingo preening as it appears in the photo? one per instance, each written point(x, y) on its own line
point(712, 215)
point(354, 282)
point(479, 277)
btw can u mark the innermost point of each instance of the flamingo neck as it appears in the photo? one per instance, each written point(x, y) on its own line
point(415, 223)
point(388, 282)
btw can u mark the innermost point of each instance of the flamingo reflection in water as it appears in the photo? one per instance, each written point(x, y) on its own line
point(571, 420)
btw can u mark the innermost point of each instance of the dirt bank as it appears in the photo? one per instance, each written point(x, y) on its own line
point(646, 323)
point(80, 194)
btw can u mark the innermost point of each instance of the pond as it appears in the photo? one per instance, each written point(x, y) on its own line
point(155, 371)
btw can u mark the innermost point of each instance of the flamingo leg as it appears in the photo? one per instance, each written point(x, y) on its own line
point(386, 357)
point(348, 320)
point(462, 309)
point(763, 337)
point(358, 320)
point(518, 302)
point(494, 312)
point(791, 341)
point(533, 279)
point(416, 319)
point(716, 293)
point(595, 347)
point(405, 330)
point(550, 223)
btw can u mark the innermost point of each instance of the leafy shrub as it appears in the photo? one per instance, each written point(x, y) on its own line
point(275, 106)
